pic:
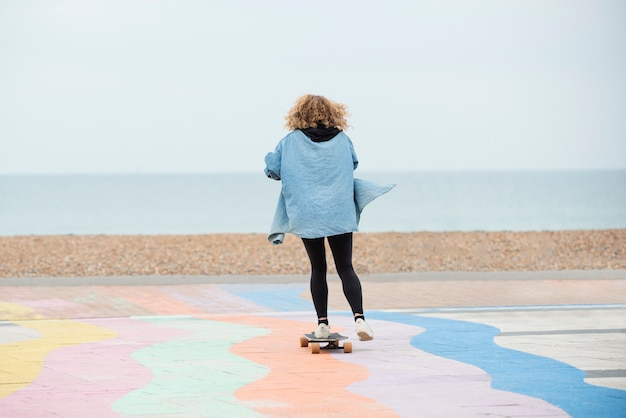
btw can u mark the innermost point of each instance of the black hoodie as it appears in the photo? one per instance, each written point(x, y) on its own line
point(320, 133)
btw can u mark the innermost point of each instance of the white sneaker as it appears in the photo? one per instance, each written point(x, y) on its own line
point(322, 331)
point(363, 330)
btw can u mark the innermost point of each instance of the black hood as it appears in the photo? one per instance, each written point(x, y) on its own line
point(320, 133)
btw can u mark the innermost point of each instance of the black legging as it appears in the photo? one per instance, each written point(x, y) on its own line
point(341, 247)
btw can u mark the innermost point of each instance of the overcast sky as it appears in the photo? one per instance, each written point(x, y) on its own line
point(143, 86)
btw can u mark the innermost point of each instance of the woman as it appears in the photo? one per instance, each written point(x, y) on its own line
point(315, 163)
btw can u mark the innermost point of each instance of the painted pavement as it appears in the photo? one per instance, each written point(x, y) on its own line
point(232, 350)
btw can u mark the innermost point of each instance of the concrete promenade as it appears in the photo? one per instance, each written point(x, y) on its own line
point(520, 344)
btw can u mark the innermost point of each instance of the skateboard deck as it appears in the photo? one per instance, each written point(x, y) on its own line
point(332, 340)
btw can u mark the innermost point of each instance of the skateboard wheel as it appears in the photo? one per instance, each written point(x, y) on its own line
point(315, 348)
point(347, 347)
point(304, 342)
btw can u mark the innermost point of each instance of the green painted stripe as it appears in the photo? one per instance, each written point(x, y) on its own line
point(195, 375)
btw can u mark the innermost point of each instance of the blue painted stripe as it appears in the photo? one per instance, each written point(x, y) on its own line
point(512, 308)
point(558, 383)
point(277, 297)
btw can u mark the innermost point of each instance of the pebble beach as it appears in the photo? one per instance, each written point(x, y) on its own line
point(252, 254)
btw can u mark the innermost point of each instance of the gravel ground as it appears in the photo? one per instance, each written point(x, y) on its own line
point(107, 255)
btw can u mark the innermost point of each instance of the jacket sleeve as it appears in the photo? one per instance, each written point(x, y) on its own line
point(365, 192)
point(272, 162)
point(280, 223)
point(355, 160)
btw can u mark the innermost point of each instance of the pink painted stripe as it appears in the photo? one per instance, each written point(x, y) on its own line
point(86, 379)
point(446, 387)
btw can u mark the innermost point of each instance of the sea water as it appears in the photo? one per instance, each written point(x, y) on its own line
point(245, 202)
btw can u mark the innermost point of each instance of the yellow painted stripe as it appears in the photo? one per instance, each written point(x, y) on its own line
point(21, 362)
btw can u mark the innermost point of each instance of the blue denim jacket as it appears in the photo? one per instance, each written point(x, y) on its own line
point(319, 196)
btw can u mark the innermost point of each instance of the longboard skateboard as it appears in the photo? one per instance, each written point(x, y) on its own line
point(332, 340)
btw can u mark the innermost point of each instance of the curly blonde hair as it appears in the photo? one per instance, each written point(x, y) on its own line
point(309, 110)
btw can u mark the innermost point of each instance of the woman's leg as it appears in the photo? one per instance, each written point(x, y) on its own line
point(319, 287)
point(341, 247)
